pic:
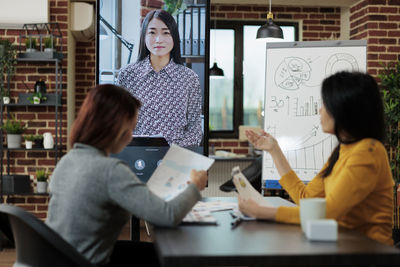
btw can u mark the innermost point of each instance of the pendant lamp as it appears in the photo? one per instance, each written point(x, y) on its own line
point(270, 29)
point(215, 70)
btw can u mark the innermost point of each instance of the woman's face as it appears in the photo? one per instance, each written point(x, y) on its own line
point(125, 136)
point(327, 121)
point(158, 38)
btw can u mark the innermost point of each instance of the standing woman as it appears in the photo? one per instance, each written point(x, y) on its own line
point(169, 92)
point(356, 181)
point(93, 195)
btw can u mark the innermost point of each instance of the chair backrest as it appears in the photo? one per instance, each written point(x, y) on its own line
point(37, 244)
point(6, 235)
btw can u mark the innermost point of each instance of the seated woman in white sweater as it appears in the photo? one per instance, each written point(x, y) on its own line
point(94, 195)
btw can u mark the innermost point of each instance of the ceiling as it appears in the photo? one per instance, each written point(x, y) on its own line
point(315, 3)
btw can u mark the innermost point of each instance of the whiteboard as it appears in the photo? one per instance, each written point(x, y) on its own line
point(293, 79)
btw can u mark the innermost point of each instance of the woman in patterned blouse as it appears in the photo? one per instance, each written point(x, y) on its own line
point(170, 92)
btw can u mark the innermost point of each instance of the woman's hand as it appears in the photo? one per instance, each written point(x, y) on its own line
point(199, 178)
point(252, 209)
point(263, 141)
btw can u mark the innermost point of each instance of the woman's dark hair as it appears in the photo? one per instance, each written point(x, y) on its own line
point(354, 102)
point(165, 17)
point(105, 109)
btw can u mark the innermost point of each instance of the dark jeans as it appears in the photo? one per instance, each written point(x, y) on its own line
point(129, 253)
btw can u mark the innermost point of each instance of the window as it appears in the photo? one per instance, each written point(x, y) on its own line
point(238, 97)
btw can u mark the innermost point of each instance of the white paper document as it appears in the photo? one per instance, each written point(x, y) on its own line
point(245, 189)
point(171, 176)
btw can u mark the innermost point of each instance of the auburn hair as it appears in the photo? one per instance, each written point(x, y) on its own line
point(103, 112)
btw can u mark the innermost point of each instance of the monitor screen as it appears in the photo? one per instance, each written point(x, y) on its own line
point(181, 118)
point(143, 155)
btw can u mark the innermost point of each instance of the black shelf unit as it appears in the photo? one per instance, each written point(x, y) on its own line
point(53, 100)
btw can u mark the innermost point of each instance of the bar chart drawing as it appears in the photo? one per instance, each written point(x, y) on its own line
point(294, 75)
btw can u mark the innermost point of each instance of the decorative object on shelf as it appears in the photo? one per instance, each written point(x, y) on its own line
point(48, 141)
point(49, 44)
point(38, 141)
point(16, 184)
point(41, 178)
point(30, 44)
point(14, 128)
point(40, 87)
point(29, 139)
point(270, 29)
point(46, 34)
point(5, 95)
point(37, 98)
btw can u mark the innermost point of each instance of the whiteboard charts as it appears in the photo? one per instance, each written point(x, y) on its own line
point(294, 75)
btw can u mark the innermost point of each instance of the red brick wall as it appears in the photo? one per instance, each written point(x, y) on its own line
point(377, 21)
point(38, 119)
point(318, 22)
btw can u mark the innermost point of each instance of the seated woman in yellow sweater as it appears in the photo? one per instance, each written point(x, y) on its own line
point(356, 181)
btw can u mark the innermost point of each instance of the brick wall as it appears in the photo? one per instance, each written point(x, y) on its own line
point(38, 119)
point(378, 21)
point(318, 23)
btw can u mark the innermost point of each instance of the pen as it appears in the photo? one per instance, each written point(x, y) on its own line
point(235, 223)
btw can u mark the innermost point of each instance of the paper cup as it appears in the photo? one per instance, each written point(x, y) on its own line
point(311, 209)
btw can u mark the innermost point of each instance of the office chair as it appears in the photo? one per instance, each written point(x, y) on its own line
point(252, 173)
point(6, 236)
point(37, 245)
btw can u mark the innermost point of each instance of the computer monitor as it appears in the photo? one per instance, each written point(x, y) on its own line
point(143, 155)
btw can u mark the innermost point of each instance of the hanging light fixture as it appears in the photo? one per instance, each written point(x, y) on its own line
point(215, 70)
point(270, 29)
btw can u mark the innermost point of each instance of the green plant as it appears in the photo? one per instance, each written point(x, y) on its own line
point(390, 87)
point(3, 91)
point(38, 137)
point(41, 175)
point(39, 95)
point(30, 43)
point(49, 42)
point(8, 59)
point(172, 6)
point(13, 126)
point(30, 137)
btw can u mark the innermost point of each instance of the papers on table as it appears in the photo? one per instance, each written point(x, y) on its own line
point(201, 213)
point(171, 176)
point(245, 189)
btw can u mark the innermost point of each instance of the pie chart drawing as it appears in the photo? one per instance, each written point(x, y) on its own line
point(341, 62)
point(292, 72)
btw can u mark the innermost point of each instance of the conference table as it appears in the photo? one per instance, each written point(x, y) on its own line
point(264, 243)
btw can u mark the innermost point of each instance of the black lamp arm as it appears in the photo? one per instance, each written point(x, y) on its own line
point(119, 36)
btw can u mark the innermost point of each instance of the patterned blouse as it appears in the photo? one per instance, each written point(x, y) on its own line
point(171, 101)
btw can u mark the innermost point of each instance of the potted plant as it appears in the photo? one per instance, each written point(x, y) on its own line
point(41, 179)
point(29, 139)
point(30, 44)
point(390, 88)
point(8, 60)
point(36, 98)
point(14, 128)
point(5, 95)
point(38, 141)
point(49, 44)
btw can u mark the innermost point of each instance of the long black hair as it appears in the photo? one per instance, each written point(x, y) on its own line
point(354, 102)
point(165, 17)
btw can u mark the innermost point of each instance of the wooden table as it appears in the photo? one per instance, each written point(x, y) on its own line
point(262, 243)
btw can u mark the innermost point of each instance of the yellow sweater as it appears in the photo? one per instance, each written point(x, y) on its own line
point(358, 192)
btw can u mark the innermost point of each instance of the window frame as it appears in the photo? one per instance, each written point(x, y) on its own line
point(238, 109)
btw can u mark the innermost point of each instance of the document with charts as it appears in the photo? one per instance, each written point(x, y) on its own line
point(171, 176)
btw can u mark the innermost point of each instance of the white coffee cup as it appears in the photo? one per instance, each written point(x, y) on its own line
point(311, 209)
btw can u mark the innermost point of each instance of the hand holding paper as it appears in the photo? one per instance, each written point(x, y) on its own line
point(245, 190)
